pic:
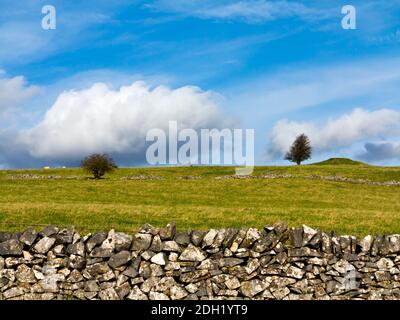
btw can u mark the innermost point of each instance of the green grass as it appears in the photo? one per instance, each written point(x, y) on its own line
point(203, 203)
point(340, 161)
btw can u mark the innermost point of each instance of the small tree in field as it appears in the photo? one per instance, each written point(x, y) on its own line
point(98, 164)
point(300, 150)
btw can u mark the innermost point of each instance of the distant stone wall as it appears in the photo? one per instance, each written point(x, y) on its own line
point(274, 263)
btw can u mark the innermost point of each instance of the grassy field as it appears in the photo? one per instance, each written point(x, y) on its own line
point(90, 205)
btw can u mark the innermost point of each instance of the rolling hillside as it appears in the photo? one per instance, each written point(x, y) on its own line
point(348, 198)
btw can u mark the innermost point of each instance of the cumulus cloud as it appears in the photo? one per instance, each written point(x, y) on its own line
point(103, 119)
point(359, 125)
point(14, 91)
point(381, 151)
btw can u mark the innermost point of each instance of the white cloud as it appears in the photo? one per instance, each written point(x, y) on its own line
point(101, 119)
point(23, 40)
point(381, 151)
point(341, 132)
point(297, 87)
point(251, 11)
point(13, 91)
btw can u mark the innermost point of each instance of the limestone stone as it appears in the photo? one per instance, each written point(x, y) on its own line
point(345, 244)
point(316, 240)
point(108, 276)
point(233, 264)
point(194, 276)
point(376, 245)
point(326, 243)
point(121, 279)
point(147, 255)
point(119, 259)
point(197, 237)
point(77, 248)
point(382, 276)
point(208, 264)
point(394, 243)
point(156, 270)
point(158, 296)
point(11, 262)
point(182, 238)
point(144, 269)
point(295, 272)
point(252, 265)
point(92, 286)
point(44, 245)
point(100, 252)
point(170, 246)
point(76, 262)
point(168, 233)
point(123, 290)
point(385, 264)
point(141, 242)
point(149, 284)
point(281, 257)
point(60, 250)
point(50, 282)
point(238, 240)
point(252, 235)
point(265, 243)
point(178, 293)
point(232, 283)
point(137, 294)
point(122, 241)
point(165, 284)
point(4, 236)
point(96, 240)
point(108, 294)
point(192, 287)
point(252, 287)
point(173, 256)
point(29, 236)
point(303, 252)
point(308, 234)
point(49, 231)
point(343, 266)
point(65, 236)
point(24, 274)
point(160, 259)
point(209, 238)
point(192, 253)
point(333, 286)
point(10, 247)
point(97, 269)
point(281, 293)
point(74, 276)
point(149, 229)
point(296, 237)
point(156, 244)
point(14, 292)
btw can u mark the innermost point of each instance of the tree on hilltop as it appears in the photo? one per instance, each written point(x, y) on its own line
point(300, 150)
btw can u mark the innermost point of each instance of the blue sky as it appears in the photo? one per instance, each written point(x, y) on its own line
point(280, 67)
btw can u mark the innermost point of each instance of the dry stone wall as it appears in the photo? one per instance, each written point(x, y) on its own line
point(157, 264)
